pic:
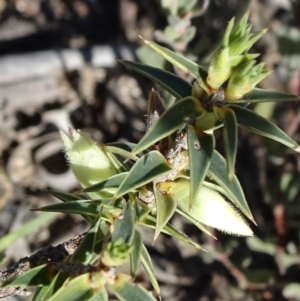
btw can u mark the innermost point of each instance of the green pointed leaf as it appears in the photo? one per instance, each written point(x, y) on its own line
point(79, 288)
point(148, 267)
point(135, 254)
point(101, 235)
point(149, 167)
point(124, 145)
point(171, 120)
point(149, 57)
point(200, 149)
point(39, 293)
point(195, 222)
point(85, 251)
point(127, 291)
point(118, 152)
point(121, 152)
point(165, 206)
point(176, 59)
point(113, 182)
point(261, 126)
point(65, 197)
point(218, 172)
point(230, 136)
point(115, 161)
point(45, 292)
point(150, 221)
point(124, 227)
point(29, 227)
point(77, 207)
point(261, 95)
point(40, 275)
point(101, 295)
point(172, 83)
point(141, 209)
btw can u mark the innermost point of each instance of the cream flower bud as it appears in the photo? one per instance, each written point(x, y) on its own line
point(88, 161)
point(209, 208)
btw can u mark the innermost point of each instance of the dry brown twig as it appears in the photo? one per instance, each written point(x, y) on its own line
point(47, 255)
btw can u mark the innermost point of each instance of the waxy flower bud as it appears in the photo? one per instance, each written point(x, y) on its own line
point(219, 69)
point(115, 253)
point(239, 59)
point(243, 79)
point(233, 51)
point(241, 39)
point(209, 208)
point(88, 161)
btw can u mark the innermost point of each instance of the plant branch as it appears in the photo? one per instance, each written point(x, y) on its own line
point(47, 255)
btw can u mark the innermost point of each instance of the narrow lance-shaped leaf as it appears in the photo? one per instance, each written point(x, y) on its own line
point(40, 292)
point(124, 227)
point(141, 209)
point(165, 207)
point(113, 182)
point(77, 207)
point(68, 197)
point(195, 222)
point(84, 207)
point(116, 147)
point(40, 275)
point(135, 255)
point(176, 59)
point(80, 288)
point(172, 83)
point(101, 295)
point(261, 95)
point(147, 265)
point(230, 136)
point(146, 169)
point(126, 291)
point(115, 161)
point(84, 252)
point(65, 197)
point(261, 126)
point(44, 293)
point(200, 149)
point(102, 234)
point(171, 120)
point(150, 221)
point(218, 172)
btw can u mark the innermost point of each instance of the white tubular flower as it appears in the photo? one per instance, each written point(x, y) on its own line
point(209, 208)
point(88, 161)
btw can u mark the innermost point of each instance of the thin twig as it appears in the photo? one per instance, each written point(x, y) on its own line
point(47, 255)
